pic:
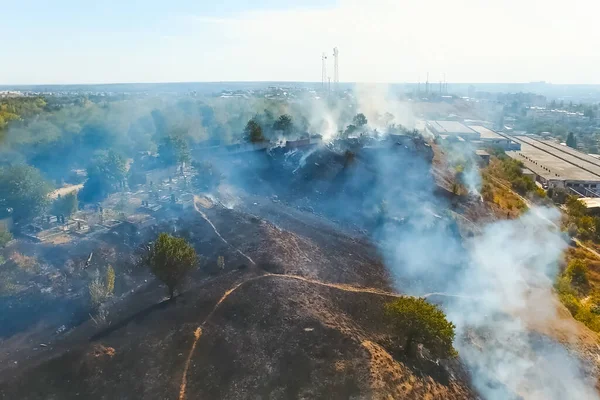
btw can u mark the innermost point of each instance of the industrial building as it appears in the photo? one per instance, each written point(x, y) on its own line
point(491, 139)
point(452, 129)
point(478, 136)
point(558, 166)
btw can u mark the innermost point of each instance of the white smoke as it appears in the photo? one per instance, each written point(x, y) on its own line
point(509, 262)
point(494, 278)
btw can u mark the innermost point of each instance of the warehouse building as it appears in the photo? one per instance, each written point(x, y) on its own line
point(491, 139)
point(452, 130)
point(558, 166)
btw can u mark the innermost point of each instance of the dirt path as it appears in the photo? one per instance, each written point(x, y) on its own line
point(65, 190)
point(197, 201)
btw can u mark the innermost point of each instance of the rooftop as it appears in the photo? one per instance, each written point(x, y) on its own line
point(551, 161)
point(485, 133)
point(451, 128)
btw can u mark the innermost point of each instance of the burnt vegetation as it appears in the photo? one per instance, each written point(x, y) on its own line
point(272, 240)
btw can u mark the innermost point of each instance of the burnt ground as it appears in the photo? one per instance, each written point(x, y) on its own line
point(272, 337)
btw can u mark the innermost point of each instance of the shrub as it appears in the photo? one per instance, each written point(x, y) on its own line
point(577, 271)
point(221, 262)
point(100, 291)
point(5, 237)
point(422, 322)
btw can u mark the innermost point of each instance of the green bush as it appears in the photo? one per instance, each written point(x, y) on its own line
point(577, 271)
point(421, 322)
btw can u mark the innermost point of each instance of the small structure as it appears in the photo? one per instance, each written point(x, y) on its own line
point(483, 157)
point(592, 204)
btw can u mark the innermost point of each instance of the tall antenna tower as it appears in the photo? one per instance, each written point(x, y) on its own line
point(336, 72)
point(323, 70)
point(427, 85)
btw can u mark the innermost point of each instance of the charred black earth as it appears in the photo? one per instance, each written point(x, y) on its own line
point(295, 313)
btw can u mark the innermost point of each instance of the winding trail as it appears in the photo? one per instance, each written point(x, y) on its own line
point(338, 286)
point(196, 201)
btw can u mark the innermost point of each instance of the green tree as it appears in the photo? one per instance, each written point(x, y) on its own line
point(359, 120)
point(65, 205)
point(105, 174)
point(284, 124)
point(571, 141)
point(173, 150)
point(253, 132)
point(23, 192)
point(424, 323)
point(170, 259)
point(577, 270)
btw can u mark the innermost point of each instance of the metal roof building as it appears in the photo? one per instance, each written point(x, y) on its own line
point(556, 165)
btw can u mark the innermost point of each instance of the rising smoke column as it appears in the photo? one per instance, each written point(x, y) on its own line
point(509, 278)
point(501, 281)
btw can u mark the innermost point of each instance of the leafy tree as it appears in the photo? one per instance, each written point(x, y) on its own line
point(170, 259)
point(359, 120)
point(173, 150)
point(577, 270)
point(253, 132)
point(571, 141)
point(422, 322)
point(23, 192)
point(65, 205)
point(105, 174)
point(283, 123)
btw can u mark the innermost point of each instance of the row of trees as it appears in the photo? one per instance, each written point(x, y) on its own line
point(261, 127)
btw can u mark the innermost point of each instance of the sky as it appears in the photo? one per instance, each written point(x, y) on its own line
point(116, 41)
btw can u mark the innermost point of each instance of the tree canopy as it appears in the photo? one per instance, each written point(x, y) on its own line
point(170, 259)
point(359, 120)
point(253, 132)
point(284, 124)
point(173, 150)
point(65, 205)
point(105, 174)
point(23, 192)
point(424, 323)
point(571, 140)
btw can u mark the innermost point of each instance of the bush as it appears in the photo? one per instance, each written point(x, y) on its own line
point(571, 303)
point(5, 237)
point(170, 259)
point(577, 271)
point(422, 322)
point(100, 291)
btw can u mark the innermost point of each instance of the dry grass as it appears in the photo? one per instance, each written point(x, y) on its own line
point(390, 379)
point(25, 263)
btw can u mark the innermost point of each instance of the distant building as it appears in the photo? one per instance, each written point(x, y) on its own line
point(452, 128)
point(558, 166)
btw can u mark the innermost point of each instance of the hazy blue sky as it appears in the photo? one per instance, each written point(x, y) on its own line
point(82, 41)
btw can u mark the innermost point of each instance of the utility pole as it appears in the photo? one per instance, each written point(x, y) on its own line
point(323, 70)
point(336, 72)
